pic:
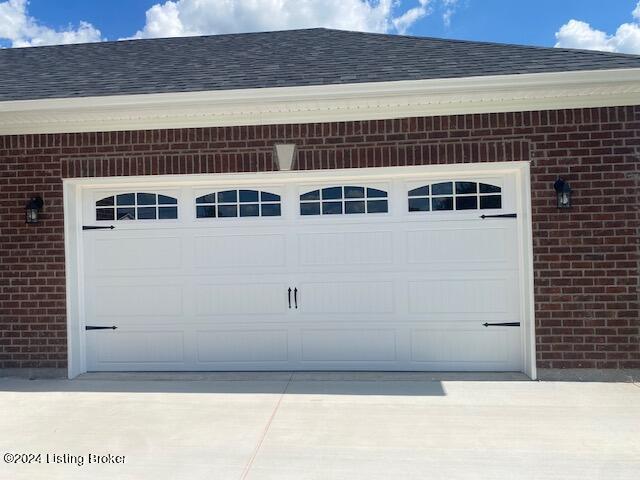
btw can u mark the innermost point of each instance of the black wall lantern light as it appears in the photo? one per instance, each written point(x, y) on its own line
point(563, 192)
point(32, 209)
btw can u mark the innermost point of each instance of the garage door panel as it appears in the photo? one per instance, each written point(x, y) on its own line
point(462, 247)
point(121, 254)
point(154, 300)
point(453, 296)
point(122, 346)
point(238, 251)
point(457, 345)
point(244, 345)
point(352, 248)
point(241, 299)
point(346, 297)
point(395, 291)
point(348, 345)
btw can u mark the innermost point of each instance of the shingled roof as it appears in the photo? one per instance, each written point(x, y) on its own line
point(272, 59)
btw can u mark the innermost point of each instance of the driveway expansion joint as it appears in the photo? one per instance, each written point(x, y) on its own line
point(247, 468)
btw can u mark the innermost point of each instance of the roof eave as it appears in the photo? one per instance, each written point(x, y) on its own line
point(326, 103)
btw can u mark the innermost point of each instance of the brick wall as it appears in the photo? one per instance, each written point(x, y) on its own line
point(585, 260)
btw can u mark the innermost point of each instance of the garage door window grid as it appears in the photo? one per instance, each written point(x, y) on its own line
point(238, 203)
point(461, 195)
point(137, 206)
point(344, 200)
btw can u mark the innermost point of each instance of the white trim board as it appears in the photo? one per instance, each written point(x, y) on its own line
point(326, 103)
point(73, 189)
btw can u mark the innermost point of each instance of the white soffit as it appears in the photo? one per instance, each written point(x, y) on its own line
point(327, 103)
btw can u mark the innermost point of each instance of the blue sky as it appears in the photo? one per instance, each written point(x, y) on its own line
point(606, 25)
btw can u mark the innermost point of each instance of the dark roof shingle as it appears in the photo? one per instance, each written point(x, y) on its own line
point(272, 59)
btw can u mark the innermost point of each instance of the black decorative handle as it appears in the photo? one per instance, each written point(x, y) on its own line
point(295, 296)
point(289, 297)
point(94, 227)
point(505, 324)
point(93, 327)
point(502, 215)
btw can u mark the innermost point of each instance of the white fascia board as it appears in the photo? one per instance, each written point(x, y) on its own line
point(326, 103)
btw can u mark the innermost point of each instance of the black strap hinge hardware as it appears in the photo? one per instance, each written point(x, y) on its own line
point(94, 227)
point(502, 215)
point(94, 327)
point(506, 324)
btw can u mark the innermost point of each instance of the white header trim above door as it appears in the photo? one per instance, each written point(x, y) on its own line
point(309, 176)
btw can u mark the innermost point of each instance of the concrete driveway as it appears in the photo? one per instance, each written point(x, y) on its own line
point(319, 426)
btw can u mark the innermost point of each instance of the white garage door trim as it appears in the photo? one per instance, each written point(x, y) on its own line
point(74, 189)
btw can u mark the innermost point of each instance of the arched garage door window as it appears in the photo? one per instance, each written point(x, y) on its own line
point(462, 195)
point(238, 203)
point(344, 199)
point(137, 206)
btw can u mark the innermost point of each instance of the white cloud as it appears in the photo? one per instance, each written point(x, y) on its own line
point(449, 10)
point(202, 17)
point(25, 31)
point(173, 18)
point(403, 22)
point(578, 34)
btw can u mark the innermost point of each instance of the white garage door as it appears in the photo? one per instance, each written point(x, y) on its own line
point(379, 273)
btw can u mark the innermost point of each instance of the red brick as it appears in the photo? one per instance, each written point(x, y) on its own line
point(585, 259)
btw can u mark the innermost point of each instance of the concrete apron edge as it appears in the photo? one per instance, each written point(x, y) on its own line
point(544, 374)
